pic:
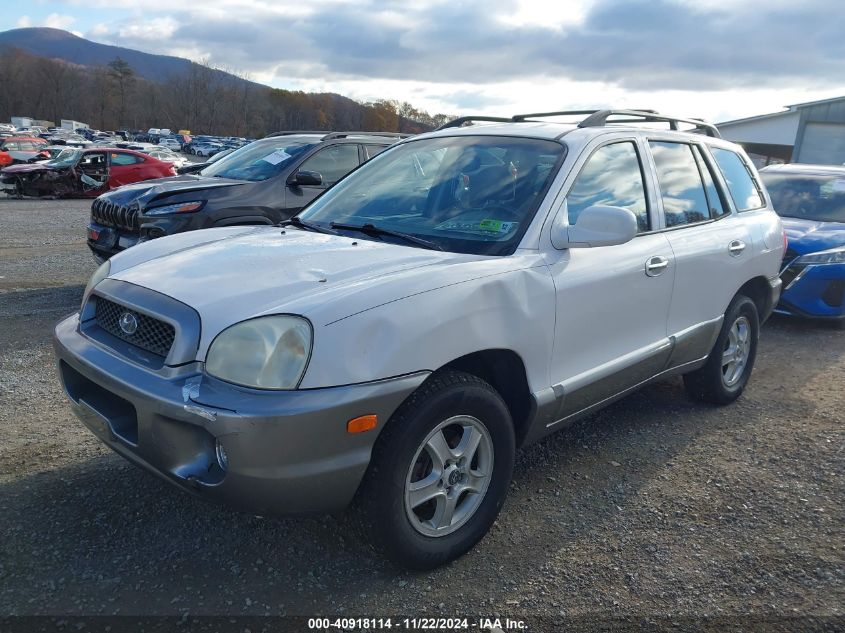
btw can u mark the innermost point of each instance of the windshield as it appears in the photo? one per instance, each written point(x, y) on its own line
point(473, 194)
point(65, 158)
point(260, 160)
point(807, 196)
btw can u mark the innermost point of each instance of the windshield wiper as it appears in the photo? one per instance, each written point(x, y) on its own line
point(301, 224)
point(372, 229)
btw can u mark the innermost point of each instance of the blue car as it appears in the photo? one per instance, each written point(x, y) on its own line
point(811, 201)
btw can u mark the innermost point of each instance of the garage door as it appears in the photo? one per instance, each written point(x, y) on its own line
point(824, 144)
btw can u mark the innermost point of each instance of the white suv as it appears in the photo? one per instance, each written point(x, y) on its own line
point(464, 293)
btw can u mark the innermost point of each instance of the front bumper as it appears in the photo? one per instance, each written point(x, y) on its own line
point(105, 241)
point(816, 291)
point(288, 451)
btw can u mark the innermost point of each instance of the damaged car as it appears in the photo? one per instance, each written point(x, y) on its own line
point(82, 173)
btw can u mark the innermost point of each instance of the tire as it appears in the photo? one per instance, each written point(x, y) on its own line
point(722, 379)
point(449, 409)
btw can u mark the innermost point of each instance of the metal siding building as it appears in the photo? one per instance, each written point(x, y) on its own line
point(811, 132)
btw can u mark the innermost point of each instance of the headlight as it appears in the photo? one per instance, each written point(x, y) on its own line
point(101, 273)
point(832, 256)
point(179, 207)
point(266, 353)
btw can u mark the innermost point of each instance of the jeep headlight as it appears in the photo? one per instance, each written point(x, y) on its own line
point(268, 352)
point(173, 209)
point(832, 256)
point(101, 273)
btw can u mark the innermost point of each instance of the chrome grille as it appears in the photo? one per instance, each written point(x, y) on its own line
point(151, 334)
point(111, 214)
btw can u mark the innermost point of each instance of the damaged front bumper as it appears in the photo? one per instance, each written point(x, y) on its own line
point(286, 452)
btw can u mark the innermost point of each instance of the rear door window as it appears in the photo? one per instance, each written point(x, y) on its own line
point(125, 159)
point(714, 198)
point(373, 150)
point(743, 187)
point(681, 188)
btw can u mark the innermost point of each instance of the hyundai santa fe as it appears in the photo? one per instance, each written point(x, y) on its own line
point(463, 294)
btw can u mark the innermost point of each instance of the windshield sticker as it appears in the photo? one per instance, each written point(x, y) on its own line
point(476, 227)
point(276, 157)
point(496, 226)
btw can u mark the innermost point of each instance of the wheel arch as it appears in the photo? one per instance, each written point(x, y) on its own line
point(759, 291)
point(504, 370)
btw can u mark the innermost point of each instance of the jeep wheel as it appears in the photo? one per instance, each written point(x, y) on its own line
point(728, 368)
point(440, 471)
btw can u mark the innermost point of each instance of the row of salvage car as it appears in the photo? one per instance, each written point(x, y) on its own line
point(75, 172)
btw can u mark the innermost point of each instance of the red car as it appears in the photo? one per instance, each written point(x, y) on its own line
point(21, 149)
point(82, 172)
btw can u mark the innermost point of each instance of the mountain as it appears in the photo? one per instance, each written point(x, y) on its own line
point(73, 81)
point(58, 44)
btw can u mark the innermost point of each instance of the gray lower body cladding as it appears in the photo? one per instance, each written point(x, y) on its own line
point(288, 452)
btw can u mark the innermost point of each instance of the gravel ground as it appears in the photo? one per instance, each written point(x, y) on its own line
point(655, 508)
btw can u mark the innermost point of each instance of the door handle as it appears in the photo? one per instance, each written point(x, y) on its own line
point(736, 247)
point(656, 265)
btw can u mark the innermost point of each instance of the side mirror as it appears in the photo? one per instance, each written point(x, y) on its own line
point(596, 226)
point(300, 178)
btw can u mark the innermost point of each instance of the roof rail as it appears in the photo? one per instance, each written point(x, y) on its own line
point(518, 118)
point(467, 119)
point(332, 135)
point(599, 119)
point(292, 132)
point(596, 118)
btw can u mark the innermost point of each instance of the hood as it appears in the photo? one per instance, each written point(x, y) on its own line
point(25, 168)
point(809, 236)
point(228, 275)
point(148, 190)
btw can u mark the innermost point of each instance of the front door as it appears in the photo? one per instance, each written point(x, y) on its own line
point(612, 301)
point(332, 163)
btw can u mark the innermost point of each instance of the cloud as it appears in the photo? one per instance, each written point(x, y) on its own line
point(636, 44)
point(59, 21)
point(488, 53)
point(24, 21)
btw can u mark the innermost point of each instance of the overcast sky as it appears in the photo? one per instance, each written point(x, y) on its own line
point(719, 59)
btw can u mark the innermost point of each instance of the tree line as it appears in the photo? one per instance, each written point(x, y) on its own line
point(205, 100)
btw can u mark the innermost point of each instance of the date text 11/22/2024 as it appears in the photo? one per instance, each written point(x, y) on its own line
point(494, 625)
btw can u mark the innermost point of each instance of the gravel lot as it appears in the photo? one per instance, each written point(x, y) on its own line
point(656, 507)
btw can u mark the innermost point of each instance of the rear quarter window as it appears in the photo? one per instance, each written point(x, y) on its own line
point(742, 186)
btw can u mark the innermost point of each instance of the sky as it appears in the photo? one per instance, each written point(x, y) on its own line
point(716, 59)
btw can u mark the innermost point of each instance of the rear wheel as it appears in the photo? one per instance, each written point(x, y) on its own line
point(723, 378)
point(440, 471)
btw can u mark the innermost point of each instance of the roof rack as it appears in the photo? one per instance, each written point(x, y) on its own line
point(332, 135)
point(327, 135)
point(596, 118)
point(468, 119)
point(519, 118)
point(599, 119)
point(292, 132)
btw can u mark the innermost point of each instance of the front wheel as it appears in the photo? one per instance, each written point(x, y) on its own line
point(723, 378)
point(440, 471)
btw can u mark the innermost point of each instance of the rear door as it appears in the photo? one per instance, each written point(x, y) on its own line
point(710, 244)
point(612, 302)
point(125, 168)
